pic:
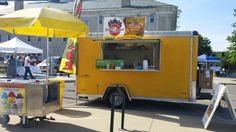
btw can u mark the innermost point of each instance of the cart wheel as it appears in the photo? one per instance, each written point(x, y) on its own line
point(4, 119)
point(119, 98)
point(26, 123)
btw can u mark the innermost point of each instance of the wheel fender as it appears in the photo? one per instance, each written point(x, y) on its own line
point(119, 87)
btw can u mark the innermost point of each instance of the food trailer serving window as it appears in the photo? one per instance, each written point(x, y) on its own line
point(131, 54)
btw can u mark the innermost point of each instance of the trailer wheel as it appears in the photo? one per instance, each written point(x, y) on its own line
point(119, 98)
point(4, 119)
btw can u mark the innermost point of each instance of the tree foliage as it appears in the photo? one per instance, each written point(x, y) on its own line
point(231, 50)
point(178, 16)
point(204, 46)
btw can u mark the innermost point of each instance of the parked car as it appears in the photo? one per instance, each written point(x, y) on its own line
point(4, 3)
point(54, 64)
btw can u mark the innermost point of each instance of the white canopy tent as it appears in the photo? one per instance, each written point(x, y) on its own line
point(15, 45)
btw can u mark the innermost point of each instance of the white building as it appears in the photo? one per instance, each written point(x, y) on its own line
point(159, 17)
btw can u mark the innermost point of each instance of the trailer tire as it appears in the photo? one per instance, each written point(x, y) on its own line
point(119, 98)
point(4, 119)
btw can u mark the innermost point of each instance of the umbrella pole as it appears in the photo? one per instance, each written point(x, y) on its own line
point(47, 60)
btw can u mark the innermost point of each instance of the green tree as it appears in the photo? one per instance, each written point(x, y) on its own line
point(178, 17)
point(204, 46)
point(231, 50)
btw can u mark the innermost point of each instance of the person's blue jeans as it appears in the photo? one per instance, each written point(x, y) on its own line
point(27, 70)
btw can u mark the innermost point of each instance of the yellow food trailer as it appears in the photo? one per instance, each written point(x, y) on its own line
point(159, 66)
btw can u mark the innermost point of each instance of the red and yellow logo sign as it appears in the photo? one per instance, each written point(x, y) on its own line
point(114, 27)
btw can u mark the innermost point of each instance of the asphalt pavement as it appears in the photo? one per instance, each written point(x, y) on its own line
point(140, 116)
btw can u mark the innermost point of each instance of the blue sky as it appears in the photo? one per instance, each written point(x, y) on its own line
point(211, 18)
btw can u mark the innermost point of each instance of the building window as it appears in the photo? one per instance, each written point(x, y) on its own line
point(28, 38)
point(100, 19)
point(50, 39)
point(9, 37)
point(151, 18)
point(64, 39)
point(39, 39)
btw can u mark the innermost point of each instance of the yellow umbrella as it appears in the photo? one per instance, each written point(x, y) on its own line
point(46, 22)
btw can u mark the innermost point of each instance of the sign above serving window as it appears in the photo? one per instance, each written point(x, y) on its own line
point(114, 27)
point(123, 27)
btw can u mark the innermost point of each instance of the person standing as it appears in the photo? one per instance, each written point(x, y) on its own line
point(19, 61)
point(27, 67)
point(18, 65)
point(11, 69)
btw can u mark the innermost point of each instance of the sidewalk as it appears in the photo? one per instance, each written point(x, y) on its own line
point(224, 80)
point(91, 119)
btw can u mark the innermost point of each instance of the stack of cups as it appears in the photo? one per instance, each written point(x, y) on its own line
point(145, 64)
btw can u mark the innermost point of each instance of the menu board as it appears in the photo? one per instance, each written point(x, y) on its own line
point(219, 92)
point(12, 99)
